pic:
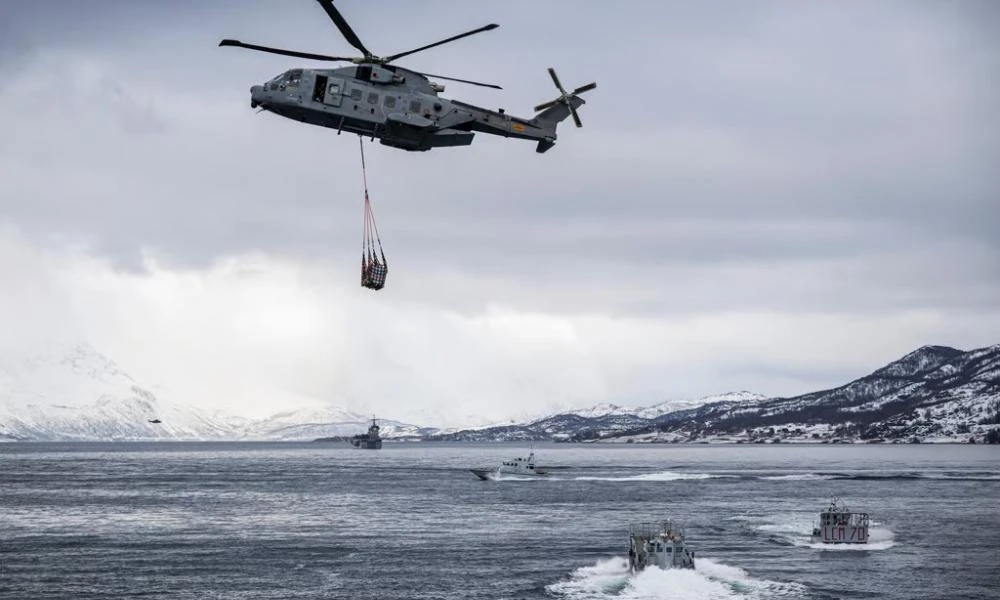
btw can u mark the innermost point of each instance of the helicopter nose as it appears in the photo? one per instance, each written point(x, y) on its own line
point(256, 96)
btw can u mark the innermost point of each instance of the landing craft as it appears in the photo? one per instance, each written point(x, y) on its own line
point(398, 106)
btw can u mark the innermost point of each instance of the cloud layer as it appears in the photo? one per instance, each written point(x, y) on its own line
point(776, 197)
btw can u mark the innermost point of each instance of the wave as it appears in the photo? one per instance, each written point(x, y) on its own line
point(909, 476)
point(660, 476)
point(610, 578)
point(798, 477)
point(809, 476)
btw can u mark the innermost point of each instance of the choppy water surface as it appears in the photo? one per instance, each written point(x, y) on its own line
point(318, 520)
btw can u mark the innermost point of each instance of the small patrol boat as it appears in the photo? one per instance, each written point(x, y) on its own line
point(515, 466)
point(370, 440)
point(837, 525)
point(659, 544)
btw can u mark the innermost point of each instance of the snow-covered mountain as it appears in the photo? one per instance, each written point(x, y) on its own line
point(598, 421)
point(670, 406)
point(934, 393)
point(329, 422)
point(74, 393)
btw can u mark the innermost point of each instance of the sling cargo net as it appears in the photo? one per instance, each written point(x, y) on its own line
point(374, 267)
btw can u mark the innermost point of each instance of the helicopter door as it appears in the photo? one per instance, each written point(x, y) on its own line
point(334, 91)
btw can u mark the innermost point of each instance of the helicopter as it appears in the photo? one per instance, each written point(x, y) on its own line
point(398, 106)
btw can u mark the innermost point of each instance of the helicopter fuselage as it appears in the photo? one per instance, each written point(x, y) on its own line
point(399, 107)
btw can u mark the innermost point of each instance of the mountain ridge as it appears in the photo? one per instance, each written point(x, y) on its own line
point(932, 393)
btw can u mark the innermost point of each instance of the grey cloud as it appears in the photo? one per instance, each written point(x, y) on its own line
point(769, 136)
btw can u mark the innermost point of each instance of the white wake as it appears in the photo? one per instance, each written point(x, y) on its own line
point(710, 580)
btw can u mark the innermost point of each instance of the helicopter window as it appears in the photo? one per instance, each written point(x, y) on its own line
point(372, 98)
point(363, 73)
point(415, 106)
point(294, 76)
point(318, 88)
point(389, 101)
point(334, 89)
point(356, 94)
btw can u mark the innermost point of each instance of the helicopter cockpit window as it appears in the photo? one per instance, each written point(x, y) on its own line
point(294, 77)
point(279, 80)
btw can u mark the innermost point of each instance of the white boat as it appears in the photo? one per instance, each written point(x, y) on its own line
point(515, 466)
point(837, 525)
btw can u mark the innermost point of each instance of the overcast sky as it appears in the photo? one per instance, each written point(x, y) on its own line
point(770, 196)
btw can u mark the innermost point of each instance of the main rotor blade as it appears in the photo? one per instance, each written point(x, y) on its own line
point(489, 85)
point(584, 88)
point(451, 39)
point(341, 23)
point(309, 55)
point(555, 80)
point(545, 105)
point(576, 117)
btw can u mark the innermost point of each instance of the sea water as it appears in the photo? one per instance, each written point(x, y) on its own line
point(324, 520)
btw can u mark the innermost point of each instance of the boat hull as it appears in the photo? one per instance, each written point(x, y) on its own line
point(486, 474)
point(367, 444)
point(840, 534)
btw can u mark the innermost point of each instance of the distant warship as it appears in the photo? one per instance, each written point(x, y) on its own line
point(368, 441)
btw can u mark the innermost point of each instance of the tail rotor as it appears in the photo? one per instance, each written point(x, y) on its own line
point(565, 97)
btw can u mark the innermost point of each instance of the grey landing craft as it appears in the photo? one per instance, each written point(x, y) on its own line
point(837, 525)
point(658, 544)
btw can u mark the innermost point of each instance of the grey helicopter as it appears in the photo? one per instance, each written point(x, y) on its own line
point(400, 107)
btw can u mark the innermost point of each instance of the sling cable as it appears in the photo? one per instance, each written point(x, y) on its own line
point(373, 272)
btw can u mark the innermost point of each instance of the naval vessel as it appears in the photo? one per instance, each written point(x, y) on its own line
point(837, 525)
point(370, 440)
point(659, 544)
point(514, 466)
